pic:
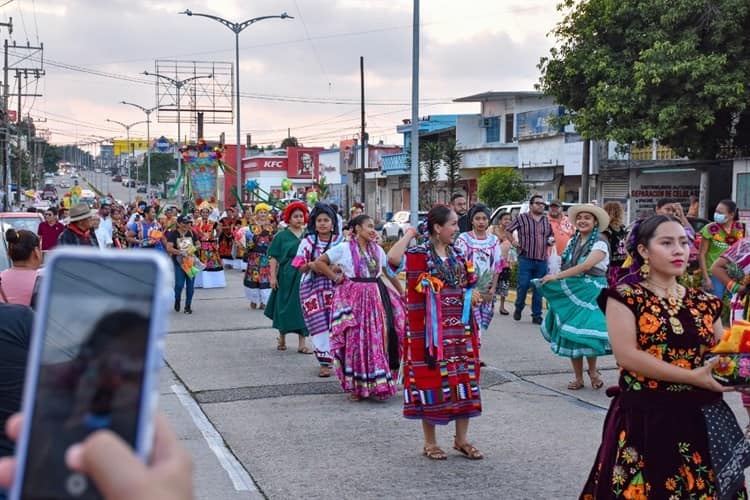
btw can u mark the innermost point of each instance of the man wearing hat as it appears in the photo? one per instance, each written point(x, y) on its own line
point(561, 226)
point(78, 231)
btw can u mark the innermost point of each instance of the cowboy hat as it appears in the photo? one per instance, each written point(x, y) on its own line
point(601, 216)
point(81, 211)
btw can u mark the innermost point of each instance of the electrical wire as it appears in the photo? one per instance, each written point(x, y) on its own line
point(36, 25)
point(23, 21)
point(314, 49)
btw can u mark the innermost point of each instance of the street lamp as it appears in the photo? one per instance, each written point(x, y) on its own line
point(178, 86)
point(130, 163)
point(237, 29)
point(148, 137)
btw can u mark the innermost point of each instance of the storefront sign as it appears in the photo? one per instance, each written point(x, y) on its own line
point(645, 196)
point(538, 122)
point(267, 164)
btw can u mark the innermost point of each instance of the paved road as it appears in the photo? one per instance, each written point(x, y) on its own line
point(298, 435)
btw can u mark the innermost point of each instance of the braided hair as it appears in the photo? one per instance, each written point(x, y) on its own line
point(322, 209)
point(573, 242)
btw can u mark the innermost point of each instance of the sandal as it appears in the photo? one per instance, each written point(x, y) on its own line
point(281, 346)
point(325, 371)
point(503, 312)
point(434, 452)
point(469, 451)
point(353, 397)
point(596, 381)
point(304, 350)
point(574, 385)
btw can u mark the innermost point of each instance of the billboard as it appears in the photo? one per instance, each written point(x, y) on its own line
point(538, 122)
point(304, 163)
point(348, 154)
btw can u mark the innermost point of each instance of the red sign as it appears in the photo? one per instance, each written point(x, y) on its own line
point(303, 163)
point(12, 115)
point(348, 153)
point(265, 164)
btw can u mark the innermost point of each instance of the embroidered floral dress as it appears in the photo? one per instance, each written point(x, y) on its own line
point(257, 281)
point(655, 442)
point(441, 350)
point(208, 253)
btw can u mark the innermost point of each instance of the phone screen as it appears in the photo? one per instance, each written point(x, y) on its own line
point(92, 364)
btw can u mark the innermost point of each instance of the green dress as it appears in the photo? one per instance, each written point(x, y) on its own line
point(283, 304)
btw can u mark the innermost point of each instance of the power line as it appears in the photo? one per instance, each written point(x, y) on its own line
point(23, 21)
point(36, 25)
point(315, 50)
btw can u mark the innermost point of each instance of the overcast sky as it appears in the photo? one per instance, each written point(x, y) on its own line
point(468, 47)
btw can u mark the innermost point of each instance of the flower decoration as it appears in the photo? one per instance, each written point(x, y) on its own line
point(714, 228)
point(251, 184)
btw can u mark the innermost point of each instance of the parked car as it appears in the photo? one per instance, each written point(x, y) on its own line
point(399, 223)
point(22, 220)
point(520, 208)
point(129, 183)
point(117, 178)
point(49, 193)
point(141, 189)
point(65, 184)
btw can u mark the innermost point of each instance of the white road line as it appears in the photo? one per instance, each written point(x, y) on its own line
point(239, 476)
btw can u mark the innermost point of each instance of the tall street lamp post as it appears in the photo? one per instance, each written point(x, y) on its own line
point(237, 28)
point(130, 150)
point(148, 139)
point(178, 84)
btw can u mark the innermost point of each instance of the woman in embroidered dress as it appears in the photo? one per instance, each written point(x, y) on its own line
point(119, 229)
point(441, 350)
point(655, 442)
point(283, 304)
point(716, 238)
point(483, 250)
point(208, 231)
point(316, 290)
point(229, 224)
point(617, 236)
point(507, 252)
point(368, 320)
point(258, 237)
point(571, 332)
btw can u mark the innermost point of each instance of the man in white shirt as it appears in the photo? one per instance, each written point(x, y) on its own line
point(104, 231)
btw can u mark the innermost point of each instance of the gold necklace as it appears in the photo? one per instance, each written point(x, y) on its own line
point(672, 303)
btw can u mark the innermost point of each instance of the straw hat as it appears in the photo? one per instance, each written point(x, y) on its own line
point(80, 212)
point(601, 216)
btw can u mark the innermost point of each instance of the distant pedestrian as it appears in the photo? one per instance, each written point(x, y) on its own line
point(441, 349)
point(78, 231)
point(316, 290)
point(574, 326)
point(482, 248)
point(508, 254)
point(368, 319)
point(25, 255)
point(49, 230)
point(693, 209)
point(716, 239)
point(182, 246)
point(658, 439)
point(460, 206)
point(617, 237)
point(283, 305)
point(257, 239)
point(562, 229)
point(534, 238)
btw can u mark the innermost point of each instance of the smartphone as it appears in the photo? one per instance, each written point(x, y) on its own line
point(95, 355)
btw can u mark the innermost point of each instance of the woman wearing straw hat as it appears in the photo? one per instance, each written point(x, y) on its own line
point(574, 325)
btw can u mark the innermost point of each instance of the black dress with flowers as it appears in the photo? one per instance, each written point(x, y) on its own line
point(654, 442)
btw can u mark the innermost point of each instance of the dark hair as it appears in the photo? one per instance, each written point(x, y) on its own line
point(334, 207)
point(456, 196)
point(439, 215)
point(642, 232)
point(503, 214)
point(478, 208)
point(21, 243)
point(731, 206)
point(664, 201)
point(534, 197)
point(359, 221)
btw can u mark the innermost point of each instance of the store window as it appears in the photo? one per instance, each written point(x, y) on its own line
point(493, 129)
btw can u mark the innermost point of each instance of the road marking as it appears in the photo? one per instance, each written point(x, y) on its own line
point(237, 473)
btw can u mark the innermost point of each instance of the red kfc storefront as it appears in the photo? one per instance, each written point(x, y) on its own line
point(299, 165)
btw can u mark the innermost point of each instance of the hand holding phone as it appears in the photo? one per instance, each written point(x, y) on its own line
point(116, 470)
point(93, 364)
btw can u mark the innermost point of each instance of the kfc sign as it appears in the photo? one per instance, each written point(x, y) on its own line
point(266, 164)
point(303, 163)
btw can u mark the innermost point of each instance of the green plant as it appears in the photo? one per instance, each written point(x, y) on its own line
point(500, 186)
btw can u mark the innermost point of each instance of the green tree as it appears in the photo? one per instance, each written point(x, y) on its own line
point(430, 157)
point(51, 155)
point(289, 142)
point(500, 186)
point(452, 158)
point(635, 70)
point(162, 165)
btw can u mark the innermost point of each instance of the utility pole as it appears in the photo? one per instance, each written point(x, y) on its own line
point(414, 175)
point(585, 160)
point(363, 134)
point(6, 122)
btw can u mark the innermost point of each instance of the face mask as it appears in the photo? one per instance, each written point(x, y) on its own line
point(720, 218)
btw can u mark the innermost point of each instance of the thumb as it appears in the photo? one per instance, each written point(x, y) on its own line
point(109, 462)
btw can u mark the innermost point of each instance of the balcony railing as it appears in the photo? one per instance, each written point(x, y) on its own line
point(395, 164)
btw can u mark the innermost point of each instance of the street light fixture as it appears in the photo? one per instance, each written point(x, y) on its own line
point(237, 28)
point(148, 137)
point(178, 86)
point(130, 163)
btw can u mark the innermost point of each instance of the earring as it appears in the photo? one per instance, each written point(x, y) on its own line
point(644, 270)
